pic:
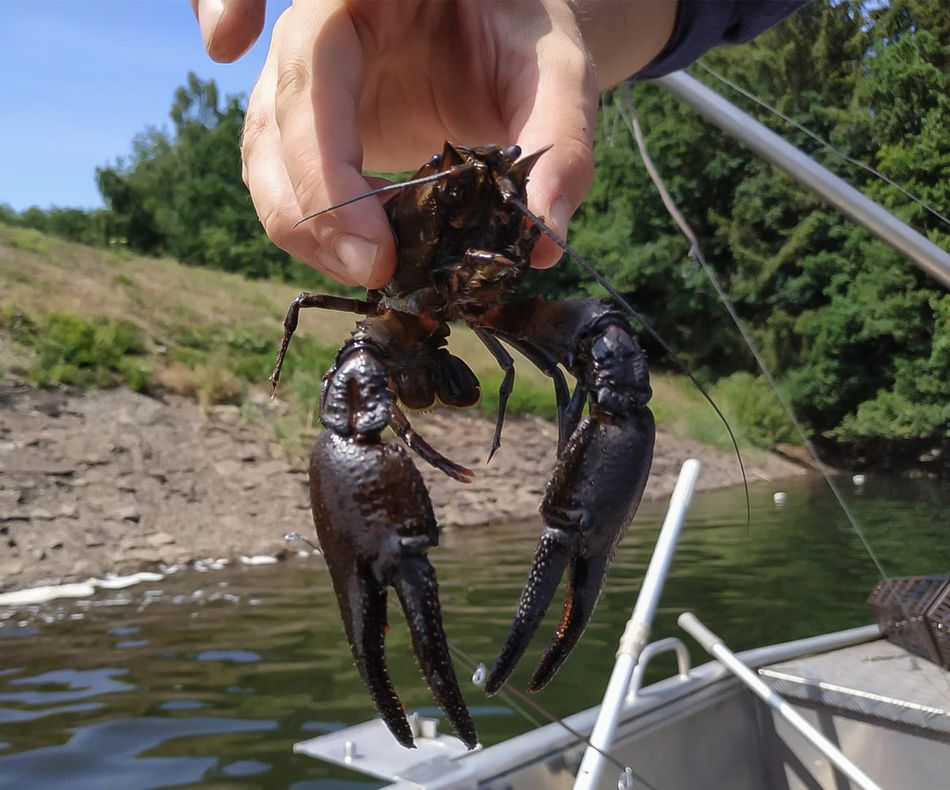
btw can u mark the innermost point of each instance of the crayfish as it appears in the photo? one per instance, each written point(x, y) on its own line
point(463, 244)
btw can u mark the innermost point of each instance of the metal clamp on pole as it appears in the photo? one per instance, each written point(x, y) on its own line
point(714, 646)
point(638, 627)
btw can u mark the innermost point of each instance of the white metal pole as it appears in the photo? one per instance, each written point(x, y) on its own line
point(714, 646)
point(637, 631)
point(764, 142)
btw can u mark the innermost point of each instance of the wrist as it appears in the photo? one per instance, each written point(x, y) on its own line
point(623, 36)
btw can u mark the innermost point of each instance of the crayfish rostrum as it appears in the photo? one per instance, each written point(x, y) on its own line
point(463, 246)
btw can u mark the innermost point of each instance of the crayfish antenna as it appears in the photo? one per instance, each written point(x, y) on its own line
point(454, 171)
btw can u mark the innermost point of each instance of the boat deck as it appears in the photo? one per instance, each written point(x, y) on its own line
point(876, 679)
point(886, 709)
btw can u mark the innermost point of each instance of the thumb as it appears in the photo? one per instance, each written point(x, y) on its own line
point(228, 27)
point(563, 116)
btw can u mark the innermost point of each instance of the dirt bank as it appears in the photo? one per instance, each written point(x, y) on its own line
point(114, 481)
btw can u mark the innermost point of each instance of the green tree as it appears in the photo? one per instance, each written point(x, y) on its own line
point(859, 336)
point(180, 193)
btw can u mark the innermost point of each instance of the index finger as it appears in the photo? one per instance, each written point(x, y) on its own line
point(320, 71)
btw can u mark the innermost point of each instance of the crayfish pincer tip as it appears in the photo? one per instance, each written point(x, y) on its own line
point(554, 551)
point(543, 675)
point(417, 589)
point(404, 740)
point(493, 685)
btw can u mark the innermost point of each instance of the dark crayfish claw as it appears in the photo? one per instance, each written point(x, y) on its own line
point(591, 498)
point(375, 523)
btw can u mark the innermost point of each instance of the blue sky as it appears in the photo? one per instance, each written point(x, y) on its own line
point(81, 77)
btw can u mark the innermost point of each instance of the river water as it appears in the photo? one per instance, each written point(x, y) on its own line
point(209, 678)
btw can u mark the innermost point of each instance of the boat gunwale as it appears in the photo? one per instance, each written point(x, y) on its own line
point(553, 739)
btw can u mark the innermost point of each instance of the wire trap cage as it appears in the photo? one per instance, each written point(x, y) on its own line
point(914, 612)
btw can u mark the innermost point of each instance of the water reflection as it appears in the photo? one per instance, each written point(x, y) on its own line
point(210, 678)
point(234, 656)
point(114, 754)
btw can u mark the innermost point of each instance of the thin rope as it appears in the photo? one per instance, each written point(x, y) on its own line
point(627, 108)
point(618, 297)
point(512, 694)
point(695, 252)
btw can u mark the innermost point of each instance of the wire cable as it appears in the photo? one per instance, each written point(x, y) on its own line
point(817, 138)
point(627, 108)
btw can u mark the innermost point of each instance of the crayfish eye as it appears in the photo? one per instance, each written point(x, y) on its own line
point(436, 160)
point(512, 152)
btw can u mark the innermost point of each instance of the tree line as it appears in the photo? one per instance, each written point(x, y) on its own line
point(860, 339)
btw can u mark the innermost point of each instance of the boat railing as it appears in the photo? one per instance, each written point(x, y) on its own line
point(636, 634)
point(670, 644)
point(718, 650)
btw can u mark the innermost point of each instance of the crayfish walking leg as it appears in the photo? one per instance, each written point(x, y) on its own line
point(598, 481)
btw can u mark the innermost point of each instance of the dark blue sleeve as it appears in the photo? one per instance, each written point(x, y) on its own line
point(703, 24)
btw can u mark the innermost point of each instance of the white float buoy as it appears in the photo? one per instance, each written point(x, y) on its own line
point(779, 497)
point(858, 480)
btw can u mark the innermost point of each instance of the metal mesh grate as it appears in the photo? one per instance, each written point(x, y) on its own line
point(938, 617)
point(914, 612)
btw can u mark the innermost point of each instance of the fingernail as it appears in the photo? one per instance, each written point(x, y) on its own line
point(560, 217)
point(209, 14)
point(358, 256)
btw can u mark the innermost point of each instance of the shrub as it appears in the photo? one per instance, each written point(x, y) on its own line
point(754, 410)
point(69, 349)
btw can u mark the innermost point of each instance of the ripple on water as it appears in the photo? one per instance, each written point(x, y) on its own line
point(131, 644)
point(80, 684)
point(182, 704)
point(112, 754)
point(233, 656)
point(245, 768)
point(13, 715)
point(82, 708)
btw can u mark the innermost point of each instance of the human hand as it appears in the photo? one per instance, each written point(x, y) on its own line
point(349, 84)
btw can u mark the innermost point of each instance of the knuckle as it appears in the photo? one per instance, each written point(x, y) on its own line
point(256, 124)
point(293, 79)
point(278, 224)
point(566, 56)
point(575, 62)
point(310, 185)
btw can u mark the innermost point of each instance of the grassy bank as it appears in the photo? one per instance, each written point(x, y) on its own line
point(88, 317)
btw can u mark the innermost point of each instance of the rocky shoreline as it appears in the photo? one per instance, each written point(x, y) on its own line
point(114, 481)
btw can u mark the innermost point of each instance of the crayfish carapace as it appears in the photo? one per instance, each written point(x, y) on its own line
point(463, 245)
